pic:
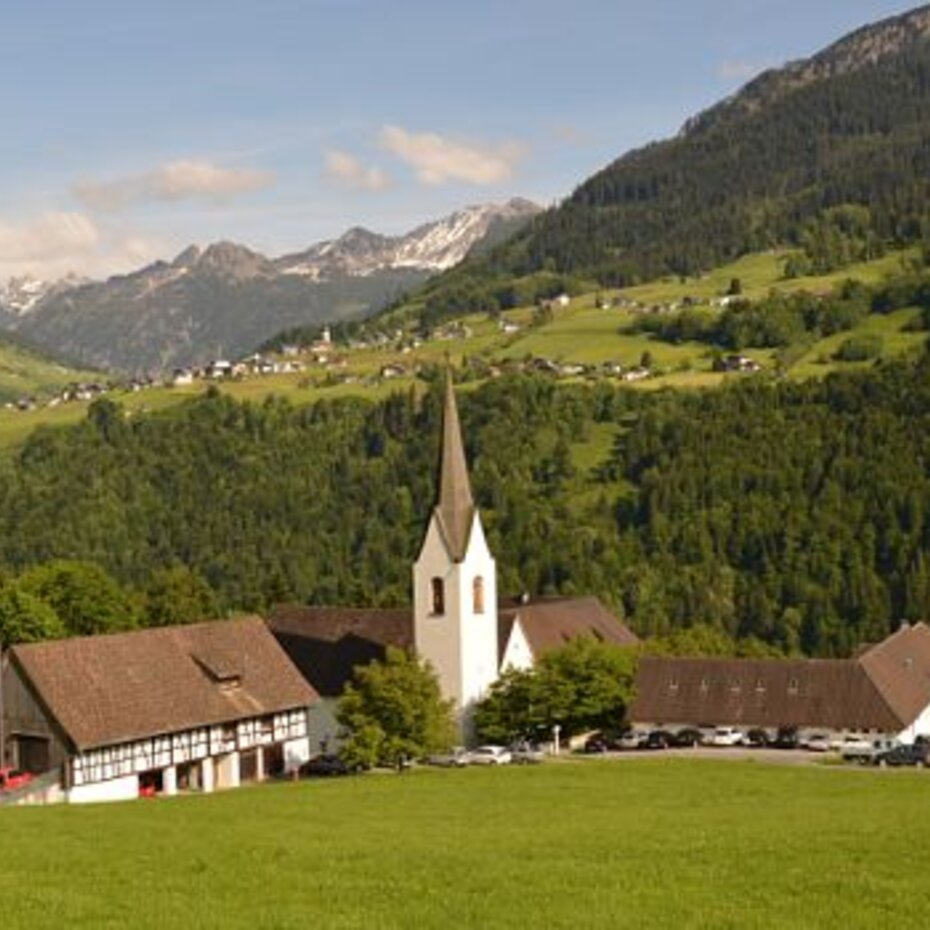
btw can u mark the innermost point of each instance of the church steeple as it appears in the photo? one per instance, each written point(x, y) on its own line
point(455, 507)
point(455, 582)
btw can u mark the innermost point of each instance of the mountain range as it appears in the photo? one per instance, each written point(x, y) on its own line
point(224, 300)
point(829, 149)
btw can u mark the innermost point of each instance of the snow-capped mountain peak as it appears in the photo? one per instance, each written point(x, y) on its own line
point(20, 295)
point(431, 247)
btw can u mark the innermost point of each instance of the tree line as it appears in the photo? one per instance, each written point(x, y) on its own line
point(795, 516)
point(834, 168)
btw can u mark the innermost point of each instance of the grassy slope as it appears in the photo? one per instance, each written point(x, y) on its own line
point(23, 373)
point(642, 843)
point(581, 333)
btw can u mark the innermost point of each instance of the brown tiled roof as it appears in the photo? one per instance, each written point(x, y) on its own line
point(551, 622)
point(327, 643)
point(103, 690)
point(899, 667)
point(455, 508)
point(830, 693)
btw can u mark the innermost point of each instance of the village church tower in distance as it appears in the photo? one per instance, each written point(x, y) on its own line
point(455, 583)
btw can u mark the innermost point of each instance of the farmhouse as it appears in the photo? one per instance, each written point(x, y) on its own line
point(884, 690)
point(200, 707)
point(456, 621)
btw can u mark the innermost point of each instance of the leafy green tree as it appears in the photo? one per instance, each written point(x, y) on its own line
point(25, 618)
point(178, 595)
point(394, 711)
point(85, 598)
point(584, 685)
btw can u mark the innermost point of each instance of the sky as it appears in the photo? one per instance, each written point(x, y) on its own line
point(130, 130)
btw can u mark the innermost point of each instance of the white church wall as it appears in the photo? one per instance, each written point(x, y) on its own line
point(920, 727)
point(479, 647)
point(434, 636)
point(517, 653)
point(460, 644)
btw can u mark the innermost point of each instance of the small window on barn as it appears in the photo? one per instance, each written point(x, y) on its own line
point(793, 686)
point(705, 685)
point(673, 686)
point(439, 597)
point(760, 685)
point(477, 595)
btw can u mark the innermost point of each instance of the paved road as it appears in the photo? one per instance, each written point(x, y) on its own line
point(775, 756)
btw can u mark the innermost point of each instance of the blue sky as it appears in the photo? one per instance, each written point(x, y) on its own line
point(131, 130)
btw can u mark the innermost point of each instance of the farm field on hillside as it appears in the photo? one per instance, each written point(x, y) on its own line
point(576, 844)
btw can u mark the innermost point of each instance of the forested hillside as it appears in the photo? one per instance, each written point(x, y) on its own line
point(830, 155)
point(796, 513)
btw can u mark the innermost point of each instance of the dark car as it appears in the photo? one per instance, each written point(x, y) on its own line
point(325, 766)
point(917, 754)
point(657, 739)
point(689, 736)
point(757, 737)
point(596, 744)
point(786, 738)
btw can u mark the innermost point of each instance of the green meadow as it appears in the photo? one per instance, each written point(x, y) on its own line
point(576, 844)
point(583, 333)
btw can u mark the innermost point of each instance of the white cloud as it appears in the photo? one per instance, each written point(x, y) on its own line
point(348, 170)
point(55, 244)
point(739, 70)
point(47, 236)
point(437, 159)
point(175, 180)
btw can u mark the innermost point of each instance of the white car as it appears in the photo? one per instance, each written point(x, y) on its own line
point(490, 755)
point(727, 736)
point(819, 742)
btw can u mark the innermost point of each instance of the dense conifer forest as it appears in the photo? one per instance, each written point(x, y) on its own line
point(827, 157)
point(798, 514)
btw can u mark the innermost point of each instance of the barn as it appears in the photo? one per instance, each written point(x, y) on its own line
point(188, 708)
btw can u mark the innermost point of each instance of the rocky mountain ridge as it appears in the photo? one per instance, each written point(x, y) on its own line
point(225, 299)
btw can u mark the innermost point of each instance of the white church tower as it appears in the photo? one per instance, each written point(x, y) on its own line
point(455, 583)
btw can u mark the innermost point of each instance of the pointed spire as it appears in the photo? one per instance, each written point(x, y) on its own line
point(456, 506)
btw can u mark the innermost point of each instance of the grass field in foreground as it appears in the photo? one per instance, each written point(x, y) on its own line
point(581, 844)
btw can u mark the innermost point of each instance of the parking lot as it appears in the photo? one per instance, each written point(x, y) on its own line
point(779, 756)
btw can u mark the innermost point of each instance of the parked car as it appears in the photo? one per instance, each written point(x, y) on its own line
point(657, 739)
point(595, 743)
point(11, 778)
point(631, 739)
point(757, 737)
point(456, 759)
point(526, 754)
point(917, 754)
point(490, 755)
point(818, 742)
point(786, 738)
point(325, 766)
point(689, 736)
point(727, 736)
point(856, 749)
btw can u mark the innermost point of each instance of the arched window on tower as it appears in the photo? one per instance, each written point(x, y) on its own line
point(477, 595)
point(439, 597)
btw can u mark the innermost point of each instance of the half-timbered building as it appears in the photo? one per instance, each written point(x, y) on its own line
point(196, 707)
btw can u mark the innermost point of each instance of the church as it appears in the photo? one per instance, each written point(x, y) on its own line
point(212, 705)
point(457, 622)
